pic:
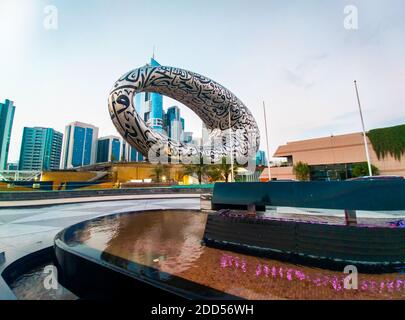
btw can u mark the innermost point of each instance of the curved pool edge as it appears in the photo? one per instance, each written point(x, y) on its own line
point(5, 291)
point(89, 277)
point(17, 252)
point(18, 267)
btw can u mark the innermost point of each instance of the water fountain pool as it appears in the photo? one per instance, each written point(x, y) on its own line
point(163, 249)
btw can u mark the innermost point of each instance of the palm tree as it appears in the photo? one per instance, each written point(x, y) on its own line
point(301, 171)
point(158, 171)
point(226, 168)
point(200, 169)
point(214, 173)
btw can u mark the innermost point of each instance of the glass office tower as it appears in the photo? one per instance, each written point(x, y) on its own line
point(174, 124)
point(149, 105)
point(7, 110)
point(108, 149)
point(261, 159)
point(79, 145)
point(40, 149)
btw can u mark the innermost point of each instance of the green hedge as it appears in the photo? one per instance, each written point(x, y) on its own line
point(388, 141)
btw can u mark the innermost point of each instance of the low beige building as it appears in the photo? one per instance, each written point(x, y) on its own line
point(332, 158)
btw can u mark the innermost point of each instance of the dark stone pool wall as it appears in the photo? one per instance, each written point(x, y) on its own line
point(371, 249)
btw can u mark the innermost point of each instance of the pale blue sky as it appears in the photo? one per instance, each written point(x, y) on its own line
point(295, 55)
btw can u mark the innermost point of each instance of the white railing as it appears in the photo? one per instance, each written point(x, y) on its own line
point(20, 175)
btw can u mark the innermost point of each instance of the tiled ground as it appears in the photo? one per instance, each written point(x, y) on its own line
point(75, 200)
point(25, 230)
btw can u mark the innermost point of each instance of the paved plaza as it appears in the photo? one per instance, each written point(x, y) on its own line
point(25, 230)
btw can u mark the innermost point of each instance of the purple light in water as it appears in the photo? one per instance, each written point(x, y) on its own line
point(258, 270)
point(373, 285)
point(296, 274)
point(266, 270)
point(300, 275)
point(336, 284)
point(244, 266)
point(317, 282)
point(224, 262)
point(289, 274)
point(236, 262)
point(325, 281)
point(381, 286)
point(274, 272)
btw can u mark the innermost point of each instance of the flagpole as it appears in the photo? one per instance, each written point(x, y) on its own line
point(364, 131)
point(267, 141)
point(231, 142)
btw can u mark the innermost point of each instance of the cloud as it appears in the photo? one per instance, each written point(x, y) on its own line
point(346, 116)
point(296, 79)
point(311, 61)
point(301, 75)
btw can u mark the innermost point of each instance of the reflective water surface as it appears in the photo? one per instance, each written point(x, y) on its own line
point(30, 286)
point(170, 241)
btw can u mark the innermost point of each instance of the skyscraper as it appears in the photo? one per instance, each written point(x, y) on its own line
point(124, 153)
point(182, 123)
point(187, 137)
point(12, 166)
point(108, 149)
point(174, 123)
point(261, 158)
point(129, 153)
point(149, 105)
point(40, 149)
point(135, 155)
point(7, 110)
point(79, 145)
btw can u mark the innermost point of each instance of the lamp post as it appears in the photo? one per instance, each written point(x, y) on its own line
point(364, 131)
point(267, 141)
